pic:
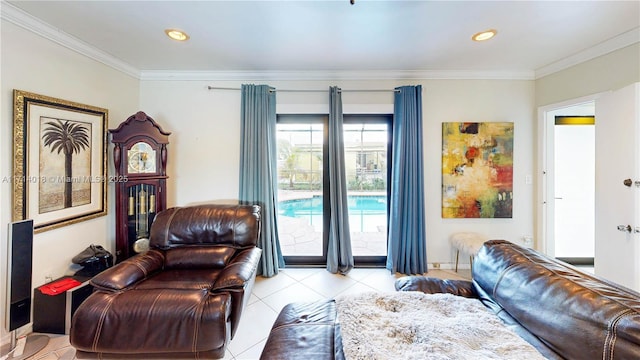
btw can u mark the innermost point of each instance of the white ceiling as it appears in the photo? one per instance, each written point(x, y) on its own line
point(534, 37)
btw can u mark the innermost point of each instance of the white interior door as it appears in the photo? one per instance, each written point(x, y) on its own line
point(568, 163)
point(617, 251)
point(574, 180)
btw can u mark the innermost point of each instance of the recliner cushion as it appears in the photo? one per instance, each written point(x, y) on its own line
point(233, 225)
point(181, 279)
point(153, 321)
point(198, 257)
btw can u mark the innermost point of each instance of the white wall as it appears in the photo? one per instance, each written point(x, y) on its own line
point(605, 73)
point(497, 100)
point(205, 140)
point(32, 63)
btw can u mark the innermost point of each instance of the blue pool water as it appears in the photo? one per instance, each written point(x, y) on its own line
point(366, 213)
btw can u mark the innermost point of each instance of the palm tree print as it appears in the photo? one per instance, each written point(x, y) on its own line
point(68, 138)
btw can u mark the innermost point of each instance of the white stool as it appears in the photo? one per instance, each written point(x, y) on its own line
point(467, 242)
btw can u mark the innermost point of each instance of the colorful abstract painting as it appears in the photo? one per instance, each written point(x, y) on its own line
point(477, 170)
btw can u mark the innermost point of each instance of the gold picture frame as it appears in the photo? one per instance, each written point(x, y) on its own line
point(59, 161)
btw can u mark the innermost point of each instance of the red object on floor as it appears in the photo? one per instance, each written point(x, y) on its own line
point(59, 286)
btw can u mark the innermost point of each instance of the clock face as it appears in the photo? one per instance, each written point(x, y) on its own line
point(141, 158)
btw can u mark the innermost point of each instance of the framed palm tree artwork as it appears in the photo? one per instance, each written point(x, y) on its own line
point(59, 161)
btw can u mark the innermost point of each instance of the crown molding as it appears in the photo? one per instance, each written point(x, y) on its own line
point(161, 75)
point(26, 21)
point(618, 42)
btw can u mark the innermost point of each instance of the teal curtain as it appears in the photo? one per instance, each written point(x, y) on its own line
point(407, 240)
point(339, 255)
point(258, 169)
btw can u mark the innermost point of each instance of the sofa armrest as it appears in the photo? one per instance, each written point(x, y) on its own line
point(129, 272)
point(239, 271)
point(429, 285)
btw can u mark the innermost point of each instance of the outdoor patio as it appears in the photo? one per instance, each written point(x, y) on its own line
point(298, 237)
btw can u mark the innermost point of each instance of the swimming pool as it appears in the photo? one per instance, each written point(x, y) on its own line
point(367, 213)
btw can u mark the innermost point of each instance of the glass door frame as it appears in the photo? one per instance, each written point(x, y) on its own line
point(376, 260)
point(321, 261)
point(313, 260)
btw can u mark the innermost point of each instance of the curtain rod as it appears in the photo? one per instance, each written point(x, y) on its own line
point(305, 90)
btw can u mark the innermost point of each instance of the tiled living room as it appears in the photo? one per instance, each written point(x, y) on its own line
point(487, 87)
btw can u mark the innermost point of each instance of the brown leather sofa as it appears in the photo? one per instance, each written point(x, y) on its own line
point(181, 299)
point(563, 312)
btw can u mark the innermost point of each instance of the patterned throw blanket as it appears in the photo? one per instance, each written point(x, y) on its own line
point(414, 325)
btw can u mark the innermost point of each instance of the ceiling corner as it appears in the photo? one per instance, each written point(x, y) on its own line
point(28, 22)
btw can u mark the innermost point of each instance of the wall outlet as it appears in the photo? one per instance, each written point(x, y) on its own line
point(527, 241)
point(436, 265)
point(48, 279)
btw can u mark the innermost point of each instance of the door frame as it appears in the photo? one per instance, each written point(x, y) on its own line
point(544, 189)
point(378, 261)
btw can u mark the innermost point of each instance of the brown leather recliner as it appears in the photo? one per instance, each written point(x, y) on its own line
point(181, 299)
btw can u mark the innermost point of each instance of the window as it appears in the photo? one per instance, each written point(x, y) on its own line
point(302, 220)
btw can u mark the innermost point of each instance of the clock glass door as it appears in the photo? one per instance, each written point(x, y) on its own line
point(141, 211)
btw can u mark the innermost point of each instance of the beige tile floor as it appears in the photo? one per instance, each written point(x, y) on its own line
point(270, 295)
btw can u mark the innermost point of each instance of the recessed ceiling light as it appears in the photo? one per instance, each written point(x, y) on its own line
point(484, 35)
point(176, 34)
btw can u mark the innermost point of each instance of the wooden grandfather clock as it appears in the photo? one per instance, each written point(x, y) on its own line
point(140, 158)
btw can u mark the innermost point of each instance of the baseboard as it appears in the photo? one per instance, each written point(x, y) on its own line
point(430, 266)
point(577, 261)
point(447, 266)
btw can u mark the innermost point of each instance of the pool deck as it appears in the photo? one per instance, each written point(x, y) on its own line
point(298, 237)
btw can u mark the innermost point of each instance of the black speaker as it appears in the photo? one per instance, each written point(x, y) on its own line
point(19, 264)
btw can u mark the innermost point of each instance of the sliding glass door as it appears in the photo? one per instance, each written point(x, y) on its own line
point(301, 152)
point(302, 188)
point(366, 149)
